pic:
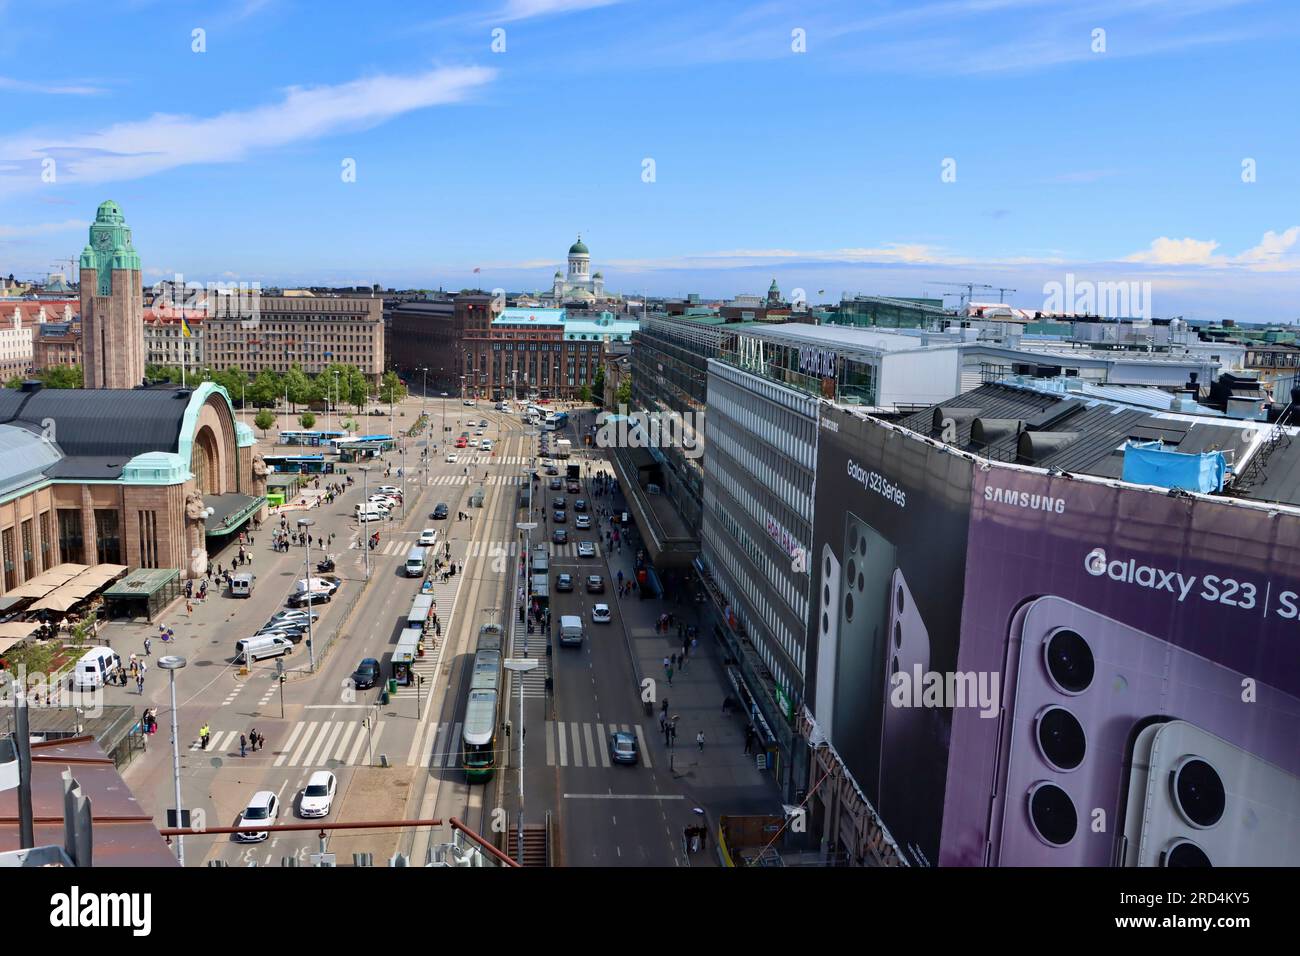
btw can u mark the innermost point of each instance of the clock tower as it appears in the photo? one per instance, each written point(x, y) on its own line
point(112, 304)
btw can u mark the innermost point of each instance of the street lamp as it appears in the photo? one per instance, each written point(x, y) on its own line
point(304, 524)
point(365, 499)
point(172, 663)
point(521, 665)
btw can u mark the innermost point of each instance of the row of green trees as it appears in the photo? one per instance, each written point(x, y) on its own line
point(267, 389)
point(59, 376)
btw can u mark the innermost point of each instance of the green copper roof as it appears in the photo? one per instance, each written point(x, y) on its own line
point(109, 247)
point(578, 248)
point(773, 287)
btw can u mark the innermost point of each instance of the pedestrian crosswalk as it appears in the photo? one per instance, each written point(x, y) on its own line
point(534, 646)
point(437, 745)
point(316, 743)
point(511, 548)
point(476, 478)
point(585, 744)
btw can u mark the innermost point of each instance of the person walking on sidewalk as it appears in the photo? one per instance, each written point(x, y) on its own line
point(204, 734)
point(699, 739)
point(749, 738)
point(148, 644)
point(243, 746)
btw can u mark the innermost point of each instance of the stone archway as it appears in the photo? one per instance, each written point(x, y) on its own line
point(206, 464)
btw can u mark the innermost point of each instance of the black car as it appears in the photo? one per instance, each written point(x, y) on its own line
point(557, 484)
point(366, 674)
point(564, 582)
point(580, 504)
point(559, 502)
point(573, 487)
point(559, 516)
point(595, 584)
point(440, 511)
point(552, 470)
point(560, 536)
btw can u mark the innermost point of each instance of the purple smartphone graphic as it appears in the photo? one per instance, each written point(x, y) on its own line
point(1196, 799)
point(902, 731)
point(828, 632)
point(1083, 687)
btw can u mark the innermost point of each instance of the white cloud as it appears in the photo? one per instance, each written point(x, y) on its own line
point(139, 148)
point(42, 228)
point(23, 86)
point(1177, 252)
point(527, 9)
point(1275, 252)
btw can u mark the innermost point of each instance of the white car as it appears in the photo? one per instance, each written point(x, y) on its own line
point(582, 521)
point(473, 443)
point(600, 614)
point(451, 458)
point(389, 490)
point(486, 444)
point(387, 501)
point(480, 431)
point(428, 537)
point(585, 548)
point(469, 402)
point(262, 809)
point(318, 796)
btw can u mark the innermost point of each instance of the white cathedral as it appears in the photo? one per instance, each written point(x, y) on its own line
point(580, 285)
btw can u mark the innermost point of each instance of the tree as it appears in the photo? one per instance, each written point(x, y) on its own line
point(306, 420)
point(264, 419)
point(624, 394)
point(584, 394)
point(62, 376)
point(235, 382)
point(598, 385)
point(391, 389)
point(266, 389)
point(298, 385)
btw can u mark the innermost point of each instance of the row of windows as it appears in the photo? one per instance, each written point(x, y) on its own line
point(792, 434)
point(791, 584)
point(721, 556)
point(768, 470)
point(34, 554)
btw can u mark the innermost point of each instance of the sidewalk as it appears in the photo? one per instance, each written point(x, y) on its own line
point(722, 778)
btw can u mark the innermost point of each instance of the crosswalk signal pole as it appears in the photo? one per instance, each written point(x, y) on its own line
point(365, 498)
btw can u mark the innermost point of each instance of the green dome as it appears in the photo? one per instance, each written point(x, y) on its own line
point(108, 211)
point(578, 248)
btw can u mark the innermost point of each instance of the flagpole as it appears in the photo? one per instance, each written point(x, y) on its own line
point(183, 350)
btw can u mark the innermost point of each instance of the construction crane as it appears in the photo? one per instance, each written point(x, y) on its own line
point(70, 276)
point(970, 287)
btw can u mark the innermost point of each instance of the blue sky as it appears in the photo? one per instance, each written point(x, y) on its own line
point(821, 168)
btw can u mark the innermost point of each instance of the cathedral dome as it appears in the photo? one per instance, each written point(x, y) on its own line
point(578, 248)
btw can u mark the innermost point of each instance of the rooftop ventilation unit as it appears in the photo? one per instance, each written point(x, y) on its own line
point(1035, 447)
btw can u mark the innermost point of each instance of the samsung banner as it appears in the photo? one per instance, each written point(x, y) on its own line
point(1025, 670)
point(888, 564)
point(1149, 654)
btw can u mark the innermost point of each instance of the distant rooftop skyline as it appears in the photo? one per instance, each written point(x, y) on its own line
point(862, 147)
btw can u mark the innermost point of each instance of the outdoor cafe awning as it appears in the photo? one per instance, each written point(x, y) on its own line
point(14, 632)
point(79, 588)
point(47, 581)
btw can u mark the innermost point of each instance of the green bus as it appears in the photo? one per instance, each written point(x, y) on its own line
point(482, 707)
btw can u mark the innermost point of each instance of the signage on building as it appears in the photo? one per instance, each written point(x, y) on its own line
point(781, 536)
point(817, 362)
point(782, 702)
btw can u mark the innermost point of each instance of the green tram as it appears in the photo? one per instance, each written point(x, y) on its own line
point(482, 708)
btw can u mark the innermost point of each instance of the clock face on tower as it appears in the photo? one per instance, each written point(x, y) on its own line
point(104, 241)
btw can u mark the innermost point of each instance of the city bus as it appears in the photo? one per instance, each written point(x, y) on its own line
point(298, 464)
point(556, 421)
point(483, 707)
point(313, 438)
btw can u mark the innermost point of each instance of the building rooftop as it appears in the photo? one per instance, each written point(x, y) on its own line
point(515, 316)
point(1081, 432)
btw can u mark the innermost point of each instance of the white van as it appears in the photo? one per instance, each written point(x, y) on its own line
point(571, 633)
point(415, 559)
point(93, 668)
point(256, 648)
point(371, 512)
point(241, 585)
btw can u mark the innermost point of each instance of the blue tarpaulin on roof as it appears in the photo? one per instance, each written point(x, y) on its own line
point(1150, 463)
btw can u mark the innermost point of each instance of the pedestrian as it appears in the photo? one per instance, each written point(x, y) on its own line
point(261, 741)
point(674, 659)
point(667, 663)
point(204, 733)
point(670, 677)
point(243, 746)
point(189, 609)
point(147, 645)
point(749, 738)
point(663, 721)
point(699, 739)
point(664, 706)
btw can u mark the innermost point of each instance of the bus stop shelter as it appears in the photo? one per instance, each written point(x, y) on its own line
point(408, 649)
